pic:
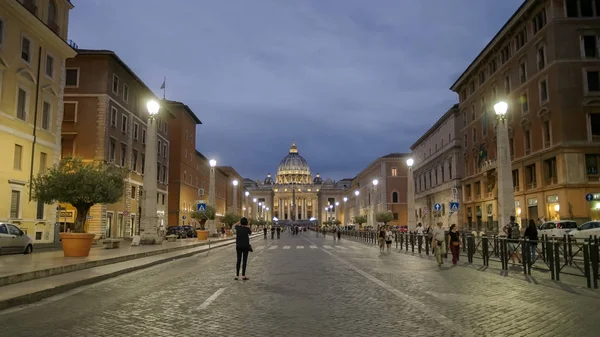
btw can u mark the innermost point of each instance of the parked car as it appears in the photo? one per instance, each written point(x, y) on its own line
point(558, 228)
point(189, 231)
point(13, 240)
point(590, 228)
point(176, 230)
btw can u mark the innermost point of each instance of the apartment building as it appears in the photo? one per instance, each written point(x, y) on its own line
point(545, 63)
point(33, 51)
point(437, 171)
point(105, 119)
point(186, 184)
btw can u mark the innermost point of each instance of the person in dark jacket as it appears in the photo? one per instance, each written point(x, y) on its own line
point(278, 232)
point(242, 247)
point(532, 234)
point(265, 231)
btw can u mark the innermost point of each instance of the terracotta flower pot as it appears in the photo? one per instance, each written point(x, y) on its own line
point(202, 235)
point(76, 244)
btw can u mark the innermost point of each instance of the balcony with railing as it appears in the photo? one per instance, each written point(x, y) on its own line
point(531, 185)
point(516, 188)
point(551, 181)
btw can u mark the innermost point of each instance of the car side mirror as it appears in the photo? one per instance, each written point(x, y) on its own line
point(21, 233)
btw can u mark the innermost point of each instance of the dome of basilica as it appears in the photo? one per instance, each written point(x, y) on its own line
point(293, 168)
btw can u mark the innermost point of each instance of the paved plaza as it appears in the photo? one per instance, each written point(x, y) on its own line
point(308, 286)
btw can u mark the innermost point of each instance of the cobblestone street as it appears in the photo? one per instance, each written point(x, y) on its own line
point(308, 286)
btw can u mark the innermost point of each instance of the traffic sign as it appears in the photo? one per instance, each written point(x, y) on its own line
point(589, 197)
point(437, 207)
point(453, 206)
point(201, 208)
point(184, 217)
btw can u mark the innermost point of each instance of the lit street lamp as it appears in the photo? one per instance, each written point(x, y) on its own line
point(375, 202)
point(410, 207)
point(211, 194)
point(235, 195)
point(246, 194)
point(506, 202)
point(345, 218)
point(255, 208)
point(149, 221)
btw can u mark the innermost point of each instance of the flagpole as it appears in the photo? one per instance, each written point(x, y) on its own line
point(164, 87)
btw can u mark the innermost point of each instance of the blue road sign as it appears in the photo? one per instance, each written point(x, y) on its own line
point(589, 197)
point(453, 206)
point(201, 208)
point(437, 207)
point(184, 217)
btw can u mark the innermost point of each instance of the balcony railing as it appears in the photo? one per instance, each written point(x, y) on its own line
point(516, 188)
point(477, 196)
point(468, 198)
point(593, 178)
point(489, 194)
point(531, 185)
point(551, 181)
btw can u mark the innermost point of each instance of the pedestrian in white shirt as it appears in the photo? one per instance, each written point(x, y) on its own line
point(420, 235)
point(438, 242)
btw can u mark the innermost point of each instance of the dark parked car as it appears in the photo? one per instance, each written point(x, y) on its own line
point(189, 231)
point(177, 230)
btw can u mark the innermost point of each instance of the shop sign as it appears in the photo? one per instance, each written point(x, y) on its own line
point(532, 202)
point(552, 199)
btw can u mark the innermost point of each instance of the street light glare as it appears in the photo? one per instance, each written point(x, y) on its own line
point(152, 107)
point(375, 182)
point(337, 203)
point(356, 193)
point(345, 199)
point(500, 108)
point(212, 163)
point(254, 200)
point(246, 193)
point(235, 183)
point(410, 162)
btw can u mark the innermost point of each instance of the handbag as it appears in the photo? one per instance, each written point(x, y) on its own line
point(250, 248)
point(455, 243)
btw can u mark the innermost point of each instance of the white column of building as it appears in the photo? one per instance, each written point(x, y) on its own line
point(149, 220)
point(506, 200)
point(304, 209)
point(289, 209)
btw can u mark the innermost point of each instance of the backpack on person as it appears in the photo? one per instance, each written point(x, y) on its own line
point(514, 231)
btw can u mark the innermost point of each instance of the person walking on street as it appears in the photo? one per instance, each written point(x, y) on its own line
point(278, 232)
point(265, 231)
point(334, 232)
point(272, 233)
point(532, 234)
point(381, 238)
point(388, 238)
point(339, 233)
point(419, 234)
point(242, 247)
point(438, 242)
point(454, 243)
point(513, 232)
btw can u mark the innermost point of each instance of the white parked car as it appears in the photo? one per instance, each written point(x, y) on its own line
point(558, 228)
point(14, 240)
point(590, 228)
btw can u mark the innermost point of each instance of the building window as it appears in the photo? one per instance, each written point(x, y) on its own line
point(493, 66)
point(473, 112)
point(15, 204)
point(18, 157)
point(113, 116)
point(39, 214)
point(22, 104)
point(165, 151)
point(1, 32)
point(472, 87)
point(394, 172)
point(166, 127)
point(46, 116)
point(521, 39)
point(143, 163)
point(43, 162)
point(494, 93)
point(591, 164)
point(572, 8)
point(589, 46)
point(507, 85)
point(481, 78)
point(49, 66)
point(25, 49)
point(550, 171)
point(111, 150)
point(543, 91)
point(163, 199)
point(511, 148)
point(523, 72)
point(165, 177)
point(547, 134)
point(466, 141)
point(530, 175)
point(143, 136)
point(115, 84)
point(158, 173)
point(524, 103)
point(515, 180)
point(134, 160)
point(541, 57)
point(505, 53)
point(136, 130)
point(72, 77)
point(124, 123)
point(395, 197)
point(539, 21)
point(593, 81)
point(586, 8)
point(133, 194)
point(125, 93)
point(442, 168)
point(159, 147)
point(474, 132)
point(527, 141)
point(450, 169)
point(123, 155)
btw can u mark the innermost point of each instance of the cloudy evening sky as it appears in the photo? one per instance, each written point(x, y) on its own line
point(348, 80)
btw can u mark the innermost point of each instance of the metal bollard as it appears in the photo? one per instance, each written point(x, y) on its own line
point(396, 239)
point(594, 259)
point(407, 242)
point(412, 241)
point(550, 256)
point(524, 254)
point(485, 250)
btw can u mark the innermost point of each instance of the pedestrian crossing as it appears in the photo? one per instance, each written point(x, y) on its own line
point(346, 248)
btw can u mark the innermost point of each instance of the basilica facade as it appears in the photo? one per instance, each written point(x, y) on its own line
point(294, 195)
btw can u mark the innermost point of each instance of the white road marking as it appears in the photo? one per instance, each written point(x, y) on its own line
point(327, 247)
point(287, 247)
point(313, 247)
point(299, 247)
point(273, 247)
point(259, 248)
point(211, 299)
point(341, 247)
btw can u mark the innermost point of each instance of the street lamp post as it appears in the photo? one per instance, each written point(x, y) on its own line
point(235, 184)
point(246, 194)
point(336, 210)
point(506, 202)
point(149, 221)
point(345, 218)
point(356, 204)
point(212, 201)
point(375, 202)
point(410, 203)
point(255, 208)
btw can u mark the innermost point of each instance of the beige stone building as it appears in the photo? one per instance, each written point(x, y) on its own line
point(545, 62)
point(33, 51)
point(437, 171)
point(105, 120)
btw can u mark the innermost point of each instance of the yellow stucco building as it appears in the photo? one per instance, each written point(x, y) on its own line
point(33, 51)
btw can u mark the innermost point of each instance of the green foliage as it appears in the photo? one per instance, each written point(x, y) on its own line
point(209, 214)
point(360, 219)
point(253, 222)
point(336, 222)
point(262, 222)
point(230, 219)
point(384, 217)
point(80, 184)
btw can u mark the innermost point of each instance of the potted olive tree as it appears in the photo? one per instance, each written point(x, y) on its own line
point(384, 217)
point(229, 219)
point(360, 219)
point(82, 185)
point(208, 214)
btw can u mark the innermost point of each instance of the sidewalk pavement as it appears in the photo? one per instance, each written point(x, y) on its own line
point(30, 278)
